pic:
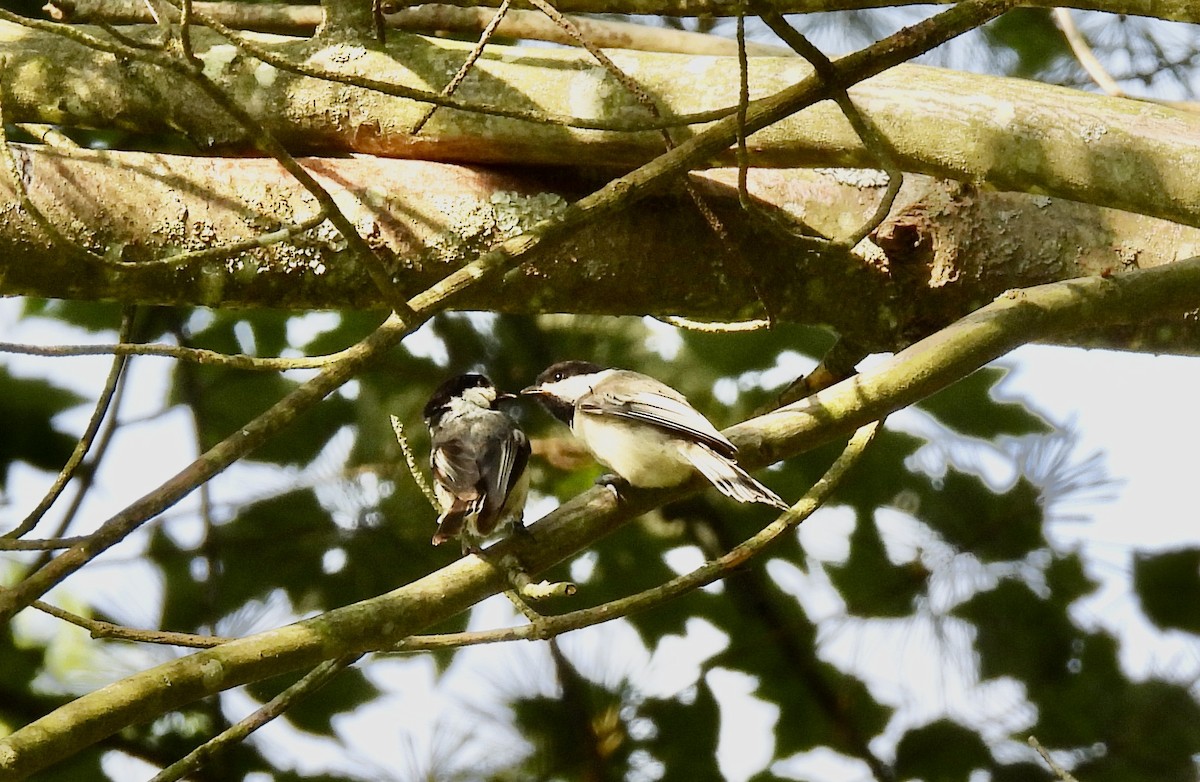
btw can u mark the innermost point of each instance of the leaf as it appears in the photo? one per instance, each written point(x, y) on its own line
point(1078, 707)
point(89, 315)
point(880, 476)
point(1154, 738)
point(942, 751)
point(968, 408)
point(772, 639)
point(994, 527)
point(1020, 634)
point(870, 583)
point(1032, 35)
point(685, 740)
point(27, 407)
point(1067, 579)
point(1168, 585)
point(1021, 772)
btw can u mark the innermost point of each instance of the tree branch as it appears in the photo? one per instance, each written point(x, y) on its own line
point(302, 20)
point(943, 249)
point(282, 18)
point(1013, 134)
point(1036, 313)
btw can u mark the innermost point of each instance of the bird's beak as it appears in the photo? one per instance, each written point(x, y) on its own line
point(532, 391)
point(504, 396)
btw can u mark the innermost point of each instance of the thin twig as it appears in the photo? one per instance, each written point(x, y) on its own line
point(465, 68)
point(302, 20)
point(743, 156)
point(101, 629)
point(88, 477)
point(185, 30)
point(50, 135)
point(645, 99)
point(1084, 54)
point(314, 680)
point(18, 180)
point(710, 327)
point(411, 460)
point(268, 144)
point(85, 440)
point(621, 124)
point(873, 141)
point(47, 544)
point(1058, 770)
point(232, 248)
point(194, 355)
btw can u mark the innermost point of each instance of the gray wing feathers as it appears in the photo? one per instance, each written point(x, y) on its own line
point(477, 483)
point(642, 398)
point(729, 477)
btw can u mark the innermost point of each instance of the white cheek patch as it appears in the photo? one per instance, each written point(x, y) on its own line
point(571, 389)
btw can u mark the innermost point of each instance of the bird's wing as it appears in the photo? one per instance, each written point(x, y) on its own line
point(641, 398)
point(455, 469)
point(506, 461)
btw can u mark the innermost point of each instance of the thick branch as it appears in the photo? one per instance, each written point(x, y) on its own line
point(304, 19)
point(1010, 133)
point(287, 19)
point(943, 250)
point(1036, 313)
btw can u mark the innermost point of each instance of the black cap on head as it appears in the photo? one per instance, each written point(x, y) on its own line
point(450, 388)
point(565, 369)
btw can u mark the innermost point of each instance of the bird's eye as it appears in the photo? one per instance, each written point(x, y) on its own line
point(559, 376)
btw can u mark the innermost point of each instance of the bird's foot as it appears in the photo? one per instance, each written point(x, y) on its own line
point(613, 483)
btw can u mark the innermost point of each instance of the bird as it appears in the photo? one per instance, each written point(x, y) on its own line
point(478, 457)
point(643, 430)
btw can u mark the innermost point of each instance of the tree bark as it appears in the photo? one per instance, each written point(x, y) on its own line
point(1008, 133)
point(944, 250)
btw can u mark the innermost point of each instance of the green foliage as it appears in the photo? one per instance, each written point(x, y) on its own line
point(957, 407)
point(1168, 585)
point(942, 751)
point(993, 527)
point(1031, 34)
point(868, 581)
point(314, 713)
point(27, 407)
point(1020, 634)
point(352, 524)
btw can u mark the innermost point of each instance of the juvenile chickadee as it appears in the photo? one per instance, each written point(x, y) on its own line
point(643, 430)
point(478, 459)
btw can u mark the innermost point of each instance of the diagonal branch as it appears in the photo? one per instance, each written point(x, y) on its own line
point(85, 440)
point(1021, 316)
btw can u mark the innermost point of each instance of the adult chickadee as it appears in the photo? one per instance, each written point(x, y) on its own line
point(643, 430)
point(478, 459)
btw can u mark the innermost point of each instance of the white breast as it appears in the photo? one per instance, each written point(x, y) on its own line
point(640, 454)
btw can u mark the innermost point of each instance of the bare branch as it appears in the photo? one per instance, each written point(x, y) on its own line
point(1058, 770)
point(380, 622)
point(99, 629)
point(311, 682)
point(271, 19)
point(194, 355)
point(85, 440)
point(302, 20)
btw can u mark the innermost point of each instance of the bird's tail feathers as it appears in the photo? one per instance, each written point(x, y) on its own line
point(450, 523)
point(729, 477)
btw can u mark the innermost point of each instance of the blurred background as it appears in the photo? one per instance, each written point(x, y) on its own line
point(1017, 555)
